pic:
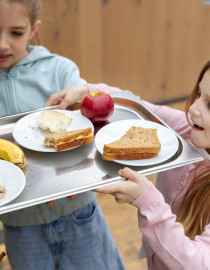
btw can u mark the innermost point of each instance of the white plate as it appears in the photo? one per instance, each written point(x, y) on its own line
point(28, 134)
point(14, 180)
point(114, 131)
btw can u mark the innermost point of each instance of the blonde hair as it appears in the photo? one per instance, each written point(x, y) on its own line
point(194, 213)
point(33, 8)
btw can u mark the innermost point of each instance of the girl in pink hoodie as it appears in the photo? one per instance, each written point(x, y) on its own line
point(174, 216)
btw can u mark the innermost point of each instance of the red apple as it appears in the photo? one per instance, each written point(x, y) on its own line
point(97, 106)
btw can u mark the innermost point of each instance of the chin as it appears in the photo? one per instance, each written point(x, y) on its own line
point(200, 142)
point(196, 141)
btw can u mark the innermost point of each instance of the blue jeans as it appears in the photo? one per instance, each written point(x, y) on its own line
point(79, 241)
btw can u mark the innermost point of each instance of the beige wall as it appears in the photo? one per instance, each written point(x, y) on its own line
point(156, 48)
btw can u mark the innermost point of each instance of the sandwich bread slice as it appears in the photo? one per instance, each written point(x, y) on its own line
point(68, 139)
point(53, 121)
point(136, 143)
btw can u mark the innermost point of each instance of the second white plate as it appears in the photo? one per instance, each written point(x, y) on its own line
point(14, 180)
point(28, 134)
point(115, 130)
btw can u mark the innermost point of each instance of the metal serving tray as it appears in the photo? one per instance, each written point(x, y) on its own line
point(53, 175)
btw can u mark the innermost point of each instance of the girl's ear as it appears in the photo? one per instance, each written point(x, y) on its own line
point(35, 28)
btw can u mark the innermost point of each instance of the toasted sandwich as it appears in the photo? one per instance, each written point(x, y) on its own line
point(136, 143)
point(68, 139)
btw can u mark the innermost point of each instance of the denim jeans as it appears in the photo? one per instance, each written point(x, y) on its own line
point(79, 241)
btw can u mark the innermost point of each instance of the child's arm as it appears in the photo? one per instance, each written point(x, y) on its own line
point(158, 224)
point(166, 237)
point(72, 94)
point(67, 96)
point(102, 87)
point(176, 119)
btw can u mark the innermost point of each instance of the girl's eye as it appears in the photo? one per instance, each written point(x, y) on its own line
point(198, 94)
point(15, 33)
point(208, 105)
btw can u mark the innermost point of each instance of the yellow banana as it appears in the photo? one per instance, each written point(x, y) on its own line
point(12, 153)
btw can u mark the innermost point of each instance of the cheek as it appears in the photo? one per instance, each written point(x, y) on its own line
point(21, 45)
point(207, 130)
point(206, 121)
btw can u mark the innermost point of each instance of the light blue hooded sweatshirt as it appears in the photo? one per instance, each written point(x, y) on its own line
point(27, 86)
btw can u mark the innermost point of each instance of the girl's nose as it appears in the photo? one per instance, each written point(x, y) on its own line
point(194, 108)
point(4, 44)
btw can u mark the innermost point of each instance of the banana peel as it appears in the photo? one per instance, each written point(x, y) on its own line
point(12, 153)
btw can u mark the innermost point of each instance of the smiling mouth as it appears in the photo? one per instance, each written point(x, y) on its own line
point(197, 127)
point(4, 58)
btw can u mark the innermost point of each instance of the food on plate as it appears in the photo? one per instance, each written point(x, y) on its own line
point(53, 121)
point(12, 153)
point(97, 106)
point(136, 143)
point(2, 190)
point(68, 139)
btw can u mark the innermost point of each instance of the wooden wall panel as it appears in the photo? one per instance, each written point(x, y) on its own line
point(60, 30)
point(155, 48)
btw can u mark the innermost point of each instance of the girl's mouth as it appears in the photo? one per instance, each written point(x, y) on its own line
point(197, 127)
point(4, 58)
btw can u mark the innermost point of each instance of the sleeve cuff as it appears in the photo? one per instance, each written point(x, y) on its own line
point(148, 197)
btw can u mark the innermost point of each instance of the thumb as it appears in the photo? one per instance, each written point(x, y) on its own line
point(54, 99)
point(63, 105)
point(129, 174)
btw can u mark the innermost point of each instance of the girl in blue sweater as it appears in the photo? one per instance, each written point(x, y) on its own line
point(69, 234)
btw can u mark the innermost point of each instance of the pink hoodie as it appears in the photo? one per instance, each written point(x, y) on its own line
point(165, 243)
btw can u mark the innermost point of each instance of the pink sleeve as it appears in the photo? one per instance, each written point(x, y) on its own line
point(166, 236)
point(102, 87)
point(176, 119)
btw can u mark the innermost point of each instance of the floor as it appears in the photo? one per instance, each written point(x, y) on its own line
point(122, 220)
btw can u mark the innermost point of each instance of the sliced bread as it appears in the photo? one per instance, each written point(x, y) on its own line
point(136, 143)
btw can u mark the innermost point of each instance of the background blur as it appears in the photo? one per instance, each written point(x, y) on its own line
point(155, 48)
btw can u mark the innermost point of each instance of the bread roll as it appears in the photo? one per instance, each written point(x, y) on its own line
point(53, 121)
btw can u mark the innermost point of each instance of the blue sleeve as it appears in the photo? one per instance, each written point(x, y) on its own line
point(69, 74)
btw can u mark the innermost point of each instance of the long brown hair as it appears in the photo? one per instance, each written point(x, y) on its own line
point(194, 210)
point(33, 8)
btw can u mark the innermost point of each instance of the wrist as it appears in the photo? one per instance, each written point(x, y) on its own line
point(85, 88)
point(145, 191)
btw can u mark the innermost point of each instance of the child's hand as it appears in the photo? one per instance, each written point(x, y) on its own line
point(127, 191)
point(72, 197)
point(67, 97)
